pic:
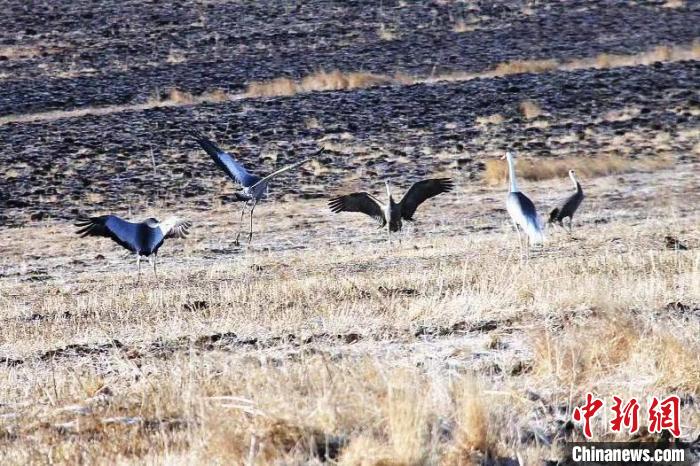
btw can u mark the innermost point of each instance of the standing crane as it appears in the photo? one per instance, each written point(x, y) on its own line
point(392, 213)
point(254, 186)
point(521, 209)
point(142, 238)
point(569, 206)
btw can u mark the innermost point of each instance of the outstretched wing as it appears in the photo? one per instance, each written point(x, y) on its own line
point(279, 172)
point(359, 202)
point(174, 227)
point(421, 191)
point(110, 226)
point(225, 161)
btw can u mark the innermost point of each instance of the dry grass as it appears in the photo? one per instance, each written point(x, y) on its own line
point(496, 172)
point(462, 26)
point(21, 52)
point(525, 66)
point(178, 97)
point(474, 431)
point(336, 80)
point(622, 114)
point(674, 4)
point(174, 98)
point(427, 352)
point(530, 109)
point(494, 119)
point(610, 343)
point(661, 53)
point(664, 53)
point(387, 34)
point(176, 57)
point(615, 340)
point(321, 81)
point(273, 88)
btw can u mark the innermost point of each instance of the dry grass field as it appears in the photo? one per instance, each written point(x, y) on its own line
point(322, 341)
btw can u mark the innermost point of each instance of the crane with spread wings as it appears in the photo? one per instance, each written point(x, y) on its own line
point(141, 238)
point(392, 213)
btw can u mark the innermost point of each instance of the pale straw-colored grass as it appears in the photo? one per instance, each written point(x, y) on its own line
point(428, 351)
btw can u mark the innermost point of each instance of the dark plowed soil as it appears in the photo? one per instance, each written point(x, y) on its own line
point(76, 54)
point(80, 54)
point(404, 131)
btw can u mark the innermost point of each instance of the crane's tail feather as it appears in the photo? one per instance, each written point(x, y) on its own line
point(534, 228)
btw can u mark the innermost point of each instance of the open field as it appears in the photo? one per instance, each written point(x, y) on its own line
point(322, 342)
point(325, 340)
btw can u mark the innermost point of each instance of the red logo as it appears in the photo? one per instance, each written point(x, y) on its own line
point(587, 412)
point(662, 415)
point(627, 416)
point(665, 415)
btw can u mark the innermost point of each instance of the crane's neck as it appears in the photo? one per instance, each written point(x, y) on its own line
point(511, 173)
point(573, 179)
point(388, 191)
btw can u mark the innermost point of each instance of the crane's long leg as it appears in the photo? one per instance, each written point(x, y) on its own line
point(527, 250)
point(520, 240)
point(240, 225)
point(571, 225)
point(138, 268)
point(250, 234)
point(155, 266)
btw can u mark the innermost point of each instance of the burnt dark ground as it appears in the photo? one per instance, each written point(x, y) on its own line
point(112, 53)
point(54, 165)
point(108, 52)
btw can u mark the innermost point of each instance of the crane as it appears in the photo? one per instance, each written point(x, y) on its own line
point(392, 213)
point(521, 209)
point(569, 206)
point(254, 187)
point(141, 238)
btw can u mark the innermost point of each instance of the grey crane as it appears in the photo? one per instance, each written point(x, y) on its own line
point(521, 209)
point(141, 238)
point(569, 206)
point(254, 186)
point(392, 213)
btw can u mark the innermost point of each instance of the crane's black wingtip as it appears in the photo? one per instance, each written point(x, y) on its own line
point(83, 232)
point(205, 143)
point(447, 184)
point(201, 139)
point(336, 204)
point(196, 134)
point(83, 220)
